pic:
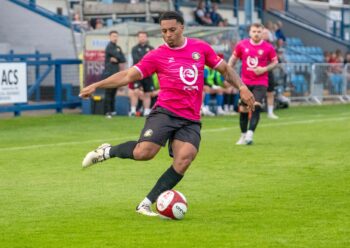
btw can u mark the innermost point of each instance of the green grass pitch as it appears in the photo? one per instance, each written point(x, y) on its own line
point(290, 189)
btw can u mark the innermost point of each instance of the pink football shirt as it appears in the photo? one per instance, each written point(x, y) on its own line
point(252, 56)
point(180, 73)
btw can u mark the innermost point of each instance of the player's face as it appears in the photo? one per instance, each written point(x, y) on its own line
point(113, 37)
point(172, 32)
point(255, 34)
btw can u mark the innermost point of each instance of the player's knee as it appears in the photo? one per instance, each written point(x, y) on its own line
point(181, 164)
point(144, 153)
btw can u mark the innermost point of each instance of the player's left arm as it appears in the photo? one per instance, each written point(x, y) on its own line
point(233, 60)
point(274, 61)
point(234, 79)
point(263, 69)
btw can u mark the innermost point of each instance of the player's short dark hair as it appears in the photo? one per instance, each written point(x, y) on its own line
point(172, 15)
point(257, 25)
point(113, 32)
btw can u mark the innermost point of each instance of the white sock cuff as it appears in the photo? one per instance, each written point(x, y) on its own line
point(270, 109)
point(146, 201)
point(106, 152)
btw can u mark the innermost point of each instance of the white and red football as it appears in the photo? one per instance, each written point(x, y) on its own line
point(171, 204)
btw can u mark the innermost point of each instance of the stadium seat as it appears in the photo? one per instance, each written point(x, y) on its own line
point(299, 83)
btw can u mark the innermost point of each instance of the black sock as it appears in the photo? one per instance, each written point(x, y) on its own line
point(255, 118)
point(167, 181)
point(124, 150)
point(243, 122)
point(226, 99)
point(235, 101)
point(230, 99)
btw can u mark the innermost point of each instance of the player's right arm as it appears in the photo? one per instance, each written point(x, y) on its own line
point(232, 61)
point(116, 80)
point(236, 55)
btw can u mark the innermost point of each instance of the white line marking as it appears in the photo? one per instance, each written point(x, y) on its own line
point(64, 144)
point(277, 124)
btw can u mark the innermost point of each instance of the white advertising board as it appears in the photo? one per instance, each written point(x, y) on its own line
point(13, 83)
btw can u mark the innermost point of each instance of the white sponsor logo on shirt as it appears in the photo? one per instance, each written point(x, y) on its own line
point(189, 76)
point(252, 62)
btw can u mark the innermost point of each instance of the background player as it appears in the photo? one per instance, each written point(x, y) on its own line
point(258, 57)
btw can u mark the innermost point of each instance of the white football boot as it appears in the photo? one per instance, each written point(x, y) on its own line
point(206, 111)
point(249, 137)
point(241, 140)
point(100, 154)
point(145, 209)
point(272, 116)
point(220, 111)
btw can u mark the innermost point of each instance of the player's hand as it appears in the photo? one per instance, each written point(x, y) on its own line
point(247, 97)
point(87, 91)
point(113, 60)
point(259, 70)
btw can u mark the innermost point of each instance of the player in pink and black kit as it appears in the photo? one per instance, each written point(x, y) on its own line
point(258, 57)
point(179, 64)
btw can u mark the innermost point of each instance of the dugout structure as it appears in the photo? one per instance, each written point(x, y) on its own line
point(222, 39)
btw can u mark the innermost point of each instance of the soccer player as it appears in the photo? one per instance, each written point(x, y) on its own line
point(258, 57)
point(175, 117)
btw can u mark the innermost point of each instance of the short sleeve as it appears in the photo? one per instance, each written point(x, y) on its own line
point(211, 58)
point(237, 52)
point(147, 65)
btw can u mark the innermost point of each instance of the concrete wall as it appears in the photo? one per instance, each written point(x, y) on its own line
point(314, 18)
point(25, 31)
point(52, 5)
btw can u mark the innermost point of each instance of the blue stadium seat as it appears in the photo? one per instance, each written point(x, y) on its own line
point(299, 83)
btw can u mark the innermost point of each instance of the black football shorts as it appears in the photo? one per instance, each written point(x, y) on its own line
point(259, 93)
point(146, 84)
point(162, 126)
point(271, 87)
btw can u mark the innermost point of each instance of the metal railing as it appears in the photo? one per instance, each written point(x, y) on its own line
point(314, 83)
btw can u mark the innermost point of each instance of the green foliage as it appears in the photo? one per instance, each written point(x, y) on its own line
point(290, 189)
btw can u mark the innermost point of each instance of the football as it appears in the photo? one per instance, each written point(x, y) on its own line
point(172, 204)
